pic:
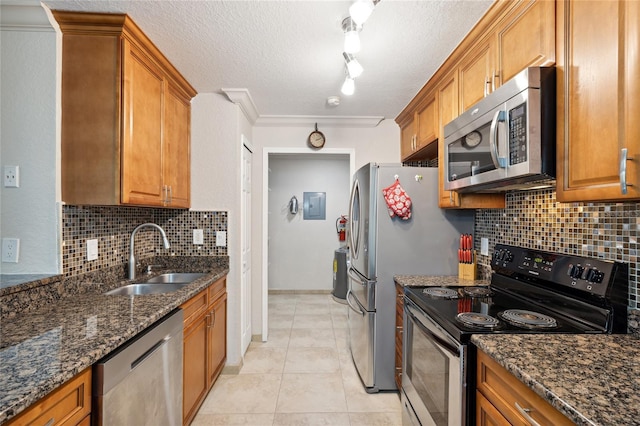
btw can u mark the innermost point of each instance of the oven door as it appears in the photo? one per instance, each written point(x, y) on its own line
point(433, 371)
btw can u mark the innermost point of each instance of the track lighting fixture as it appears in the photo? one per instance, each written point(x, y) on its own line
point(360, 10)
point(349, 86)
point(351, 36)
point(353, 66)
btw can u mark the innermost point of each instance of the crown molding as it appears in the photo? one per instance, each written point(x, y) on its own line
point(310, 120)
point(243, 99)
point(15, 16)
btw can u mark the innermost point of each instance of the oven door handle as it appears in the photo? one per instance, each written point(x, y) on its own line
point(441, 343)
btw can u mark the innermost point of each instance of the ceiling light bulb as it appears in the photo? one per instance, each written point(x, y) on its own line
point(354, 68)
point(351, 41)
point(361, 10)
point(349, 86)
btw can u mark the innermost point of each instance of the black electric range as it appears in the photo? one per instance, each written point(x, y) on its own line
point(532, 291)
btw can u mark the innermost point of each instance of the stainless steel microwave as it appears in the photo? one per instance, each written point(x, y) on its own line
point(507, 140)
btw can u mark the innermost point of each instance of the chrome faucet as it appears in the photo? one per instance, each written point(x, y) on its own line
point(132, 258)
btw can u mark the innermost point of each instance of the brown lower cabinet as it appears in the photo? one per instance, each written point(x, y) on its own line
point(399, 332)
point(205, 345)
point(68, 405)
point(502, 399)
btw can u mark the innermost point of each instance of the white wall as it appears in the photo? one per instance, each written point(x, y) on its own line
point(216, 126)
point(371, 144)
point(29, 138)
point(301, 251)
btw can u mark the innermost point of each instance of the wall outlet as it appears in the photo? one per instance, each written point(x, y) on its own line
point(92, 249)
point(484, 246)
point(221, 238)
point(11, 176)
point(198, 236)
point(10, 250)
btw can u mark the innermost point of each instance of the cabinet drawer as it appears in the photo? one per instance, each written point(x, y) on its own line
point(217, 288)
point(195, 306)
point(505, 392)
point(70, 404)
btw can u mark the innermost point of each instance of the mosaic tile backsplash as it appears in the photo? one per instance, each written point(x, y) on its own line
point(535, 219)
point(112, 227)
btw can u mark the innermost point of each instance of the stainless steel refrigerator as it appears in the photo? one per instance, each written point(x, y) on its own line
point(381, 246)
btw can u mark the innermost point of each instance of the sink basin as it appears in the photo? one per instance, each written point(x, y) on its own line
point(146, 288)
point(176, 277)
point(165, 283)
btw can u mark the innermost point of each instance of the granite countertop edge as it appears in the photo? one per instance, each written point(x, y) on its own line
point(160, 306)
point(436, 281)
point(563, 370)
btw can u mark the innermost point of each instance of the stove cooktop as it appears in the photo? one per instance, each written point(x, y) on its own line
point(445, 311)
point(549, 292)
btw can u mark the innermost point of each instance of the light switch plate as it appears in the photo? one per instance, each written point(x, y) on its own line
point(484, 246)
point(221, 238)
point(198, 236)
point(92, 249)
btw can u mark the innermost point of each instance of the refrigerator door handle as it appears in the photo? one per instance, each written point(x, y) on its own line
point(355, 276)
point(358, 311)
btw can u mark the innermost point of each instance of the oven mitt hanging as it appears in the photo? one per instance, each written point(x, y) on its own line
point(398, 202)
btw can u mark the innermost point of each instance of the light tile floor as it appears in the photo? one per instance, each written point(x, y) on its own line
point(303, 375)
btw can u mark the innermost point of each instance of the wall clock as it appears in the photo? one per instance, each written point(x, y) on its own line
point(316, 138)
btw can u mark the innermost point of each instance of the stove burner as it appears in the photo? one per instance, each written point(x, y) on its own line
point(528, 319)
point(440, 292)
point(477, 291)
point(475, 319)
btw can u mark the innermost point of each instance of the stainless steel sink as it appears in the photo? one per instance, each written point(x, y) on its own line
point(176, 277)
point(165, 283)
point(146, 288)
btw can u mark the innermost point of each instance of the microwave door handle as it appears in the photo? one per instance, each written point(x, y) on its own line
point(499, 162)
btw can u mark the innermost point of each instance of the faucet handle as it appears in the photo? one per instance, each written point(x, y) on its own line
point(150, 268)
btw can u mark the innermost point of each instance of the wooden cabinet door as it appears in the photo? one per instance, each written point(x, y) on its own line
point(143, 90)
point(176, 149)
point(399, 333)
point(598, 99)
point(487, 414)
point(407, 139)
point(217, 336)
point(475, 71)
point(427, 117)
point(195, 381)
point(448, 108)
point(526, 38)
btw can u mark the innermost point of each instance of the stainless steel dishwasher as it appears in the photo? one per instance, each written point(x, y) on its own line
point(141, 382)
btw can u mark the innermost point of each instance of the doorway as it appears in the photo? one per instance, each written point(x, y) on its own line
point(294, 249)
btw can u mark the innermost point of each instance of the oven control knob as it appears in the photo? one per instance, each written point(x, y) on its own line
point(594, 276)
point(576, 271)
point(508, 256)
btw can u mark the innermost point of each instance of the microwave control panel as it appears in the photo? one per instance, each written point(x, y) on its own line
point(518, 134)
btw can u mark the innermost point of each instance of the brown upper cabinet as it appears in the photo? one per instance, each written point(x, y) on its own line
point(598, 91)
point(419, 138)
point(126, 114)
point(511, 36)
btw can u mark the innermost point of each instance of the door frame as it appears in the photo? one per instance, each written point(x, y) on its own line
point(266, 152)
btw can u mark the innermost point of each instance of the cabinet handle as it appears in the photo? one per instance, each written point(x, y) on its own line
point(624, 157)
point(525, 413)
point(208, 321)
point(487, 82)
point(496, 74)
point(51, 421)
point(169, 194)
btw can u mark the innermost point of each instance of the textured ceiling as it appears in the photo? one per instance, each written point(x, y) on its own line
point(288, 54)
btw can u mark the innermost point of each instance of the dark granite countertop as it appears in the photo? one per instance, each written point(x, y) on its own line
point(591, 379)
point(43, 348)
point(435, 281)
